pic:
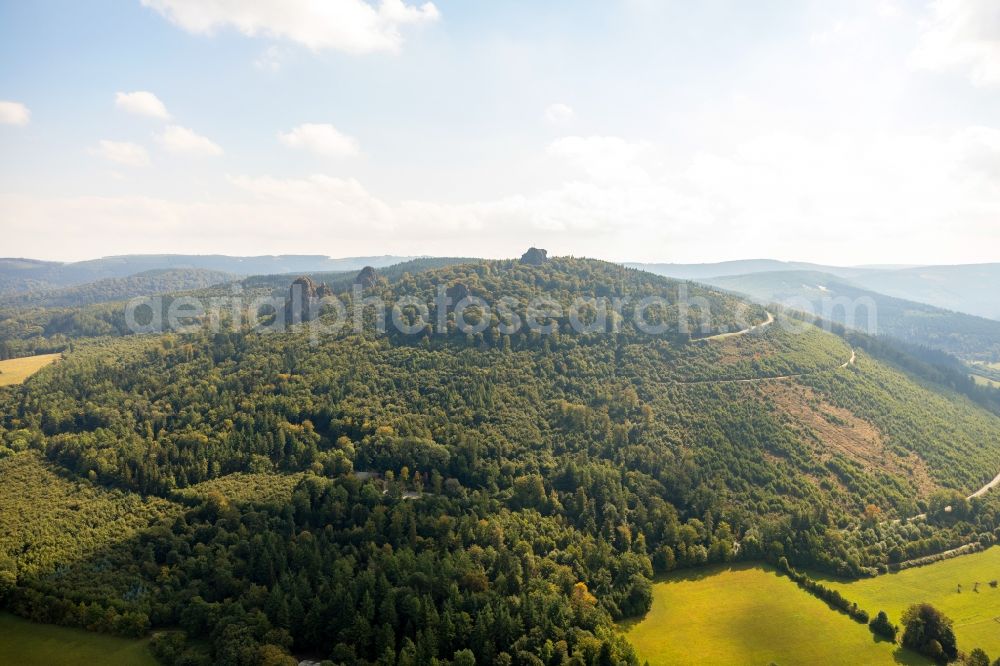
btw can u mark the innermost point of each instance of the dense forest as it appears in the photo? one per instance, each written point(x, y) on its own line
point(468, 497)
point(118, 288)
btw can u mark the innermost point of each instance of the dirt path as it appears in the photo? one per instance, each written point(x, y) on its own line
point(987, 487)
point(982, 491)
point(736, 334)
point(778, 378)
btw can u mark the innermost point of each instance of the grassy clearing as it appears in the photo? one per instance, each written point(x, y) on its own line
point(985, 381)
point(975, 613)
point(16, 370)
point(27, 644)
point(241, 488)
point(747, 614)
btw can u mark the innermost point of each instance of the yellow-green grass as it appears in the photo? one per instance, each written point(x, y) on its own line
point(27, 644)
point(748, 614)
point(985, 381)
point(974, 613)
point(16, 370)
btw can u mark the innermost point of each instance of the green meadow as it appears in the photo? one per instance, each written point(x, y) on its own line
point(976, 613)
point(748, 614)
point(27, 644)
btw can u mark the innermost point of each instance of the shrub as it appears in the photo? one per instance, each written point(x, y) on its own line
point(881, 626)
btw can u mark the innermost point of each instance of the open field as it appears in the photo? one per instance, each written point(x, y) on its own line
point(975, 613)
point(16, 370)
point(985, 381)
point(746, 614)
point(27, 643)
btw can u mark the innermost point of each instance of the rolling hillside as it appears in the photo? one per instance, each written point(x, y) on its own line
point(500, 491)
point(119, 289)
point(30, 275)
point(966, 336)
point(971, 288)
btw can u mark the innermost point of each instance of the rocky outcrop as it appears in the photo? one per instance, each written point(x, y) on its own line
point(302, 303)
point(367, 278)
point(534, 257)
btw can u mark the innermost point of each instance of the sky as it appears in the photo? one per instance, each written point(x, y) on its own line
point(836, 131)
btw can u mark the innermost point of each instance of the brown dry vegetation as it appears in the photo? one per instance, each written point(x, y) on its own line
point(834, 429)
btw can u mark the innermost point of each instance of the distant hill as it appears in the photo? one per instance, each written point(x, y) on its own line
point(118, 289)
point(21, 275)
point(343, 278)
point(966, 336)
point(743, 267)
point(971, 288)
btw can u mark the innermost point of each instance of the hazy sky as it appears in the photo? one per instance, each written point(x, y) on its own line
point(840, 131)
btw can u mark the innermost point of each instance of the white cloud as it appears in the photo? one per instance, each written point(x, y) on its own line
point(352, 26)
point(14, 113)
point(558, 113)
point(849, 198)
point(270, 59)
point(603, 158)
point(962, 35)
point(181, 140)
point(322, 139)
point(142, 103)
point(122, 152)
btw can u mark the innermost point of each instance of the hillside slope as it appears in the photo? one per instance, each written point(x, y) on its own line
point(970, 288)
point(500, 493)
point(22, 275)
point(119, 289)
point(834, 299)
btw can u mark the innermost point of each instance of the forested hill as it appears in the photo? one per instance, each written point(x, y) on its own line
point(966, 336)
point(30, 275)
point(119, 288)
point(398, 498)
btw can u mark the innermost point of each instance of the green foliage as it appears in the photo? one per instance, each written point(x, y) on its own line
point(977, 658)
point(928, 631)
point(881, 626)
point(118, 288)
point(392, 498)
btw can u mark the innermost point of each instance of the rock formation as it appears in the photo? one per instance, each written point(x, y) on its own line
point(534, 257)
point(303, 299)
point(367, 278)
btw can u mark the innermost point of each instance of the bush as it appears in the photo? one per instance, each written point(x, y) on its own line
point(881, 626)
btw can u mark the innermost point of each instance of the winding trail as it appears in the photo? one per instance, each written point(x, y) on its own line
point(979, 493)
point(985, 489)
point(736, 334)
point(849, 362)
point(754, 380)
